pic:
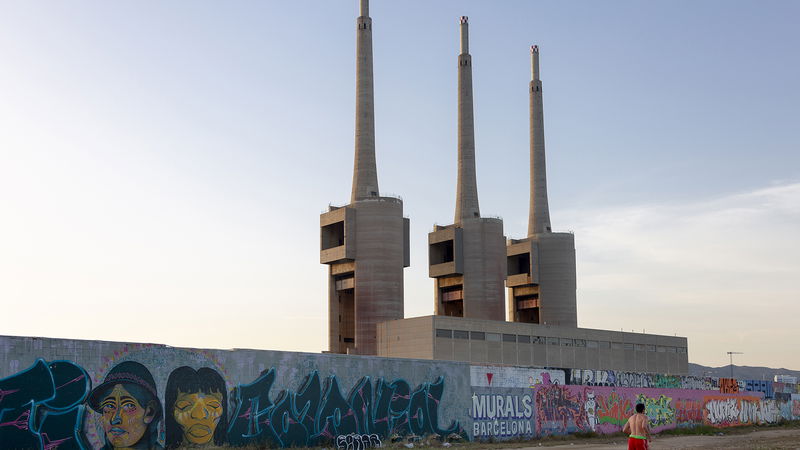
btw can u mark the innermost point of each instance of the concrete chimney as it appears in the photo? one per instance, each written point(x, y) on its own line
point(365, 243)
point(467, 186)
point(539, 212)
point(365, 172)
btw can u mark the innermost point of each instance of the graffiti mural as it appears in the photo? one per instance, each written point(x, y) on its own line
point(728, 386)
point(726, 411)
point(117, 395)
point(637, 379)
point(613, 409)
point(42, 406)
point(688, 412)
point(315, 415)
point(195, 406)
point(660, 410)
point(53, 405)
point(559, 409)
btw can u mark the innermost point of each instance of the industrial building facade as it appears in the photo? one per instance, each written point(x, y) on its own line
point(525, 344)
point(472, 264)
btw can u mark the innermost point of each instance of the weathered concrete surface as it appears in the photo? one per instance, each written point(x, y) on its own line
point(267, 391)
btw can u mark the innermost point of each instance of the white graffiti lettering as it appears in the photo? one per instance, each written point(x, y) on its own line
point(355, 441)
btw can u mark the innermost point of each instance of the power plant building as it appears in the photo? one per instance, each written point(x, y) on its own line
point(366, 247)
point(541, 268)
point(467, 259)
point(365, 243)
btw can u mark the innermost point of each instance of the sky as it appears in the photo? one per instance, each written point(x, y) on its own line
point(163, 165)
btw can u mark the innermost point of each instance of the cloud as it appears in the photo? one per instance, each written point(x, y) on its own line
point(720, 271)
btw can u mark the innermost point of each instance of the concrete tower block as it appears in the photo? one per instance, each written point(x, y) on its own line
point(541, 268)
point(364, 243)
point(467, 259)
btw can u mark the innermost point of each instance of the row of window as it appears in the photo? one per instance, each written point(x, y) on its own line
point(544, 340)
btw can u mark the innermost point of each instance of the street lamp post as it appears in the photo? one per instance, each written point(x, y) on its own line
point(731, 355)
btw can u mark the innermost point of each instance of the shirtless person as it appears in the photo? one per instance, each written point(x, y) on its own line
point(639, 429)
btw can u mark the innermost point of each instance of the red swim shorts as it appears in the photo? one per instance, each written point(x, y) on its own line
point(637, 444)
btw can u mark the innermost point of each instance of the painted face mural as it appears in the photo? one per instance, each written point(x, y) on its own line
point(129, 407)
point(198, 415)
point(196, 402)
point(125, 420)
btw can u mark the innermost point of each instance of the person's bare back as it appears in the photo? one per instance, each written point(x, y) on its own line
point(638, 428)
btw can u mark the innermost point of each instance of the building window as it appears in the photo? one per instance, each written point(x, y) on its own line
point(524, 339)
point(639, 347)
point(580, 342)
point(538, 339)
point(444, 333)
point(509, 338)
point(604, 344)
point(493, 337)
point(552, 341)
point(651, 348)
point(477, 335)
point(671, 350)
point(661, 349)
point(566, 342)
point(682, 350)
point(628, 346)
point(460, 334)
point(591, 344)
point(616, 345)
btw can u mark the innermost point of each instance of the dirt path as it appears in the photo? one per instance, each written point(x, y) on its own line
point(759, 439)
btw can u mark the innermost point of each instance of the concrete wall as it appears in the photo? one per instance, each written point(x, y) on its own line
point(262, 397)
point(58, 393)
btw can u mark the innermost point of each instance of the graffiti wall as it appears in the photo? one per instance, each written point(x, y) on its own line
point(517, 412)
point(68, 394)
point(637, 379)
point(64, 394)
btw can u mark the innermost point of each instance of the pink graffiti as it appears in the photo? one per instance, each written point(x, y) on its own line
point(8, 392)
point(51, 445)
point(20, 422)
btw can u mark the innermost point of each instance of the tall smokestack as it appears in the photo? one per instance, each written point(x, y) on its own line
point(365, 173)
point(539, 213)
point(467, 187)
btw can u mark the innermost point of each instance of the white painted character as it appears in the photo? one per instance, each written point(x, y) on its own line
point(591, 410)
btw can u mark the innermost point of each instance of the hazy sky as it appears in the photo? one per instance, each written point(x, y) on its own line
point(163, 165)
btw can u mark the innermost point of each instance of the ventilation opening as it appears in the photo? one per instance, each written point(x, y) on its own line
point(347, 318)
point(452, 298)
point(526, 315)
point(518, 264)
point(441, 252)
point(332, 235)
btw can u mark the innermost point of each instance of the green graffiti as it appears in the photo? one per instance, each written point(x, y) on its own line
point(659, 410)
point(614, 409)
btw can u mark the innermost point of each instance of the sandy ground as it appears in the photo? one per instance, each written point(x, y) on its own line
point(759, 439)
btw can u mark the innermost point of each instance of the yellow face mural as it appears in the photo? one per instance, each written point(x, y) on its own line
point(124, 419)
point(198, 414)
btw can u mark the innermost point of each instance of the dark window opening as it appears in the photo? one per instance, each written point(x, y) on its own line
point(333, 235)
point(444, 333)
point(518, 264)
point(441, 252)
